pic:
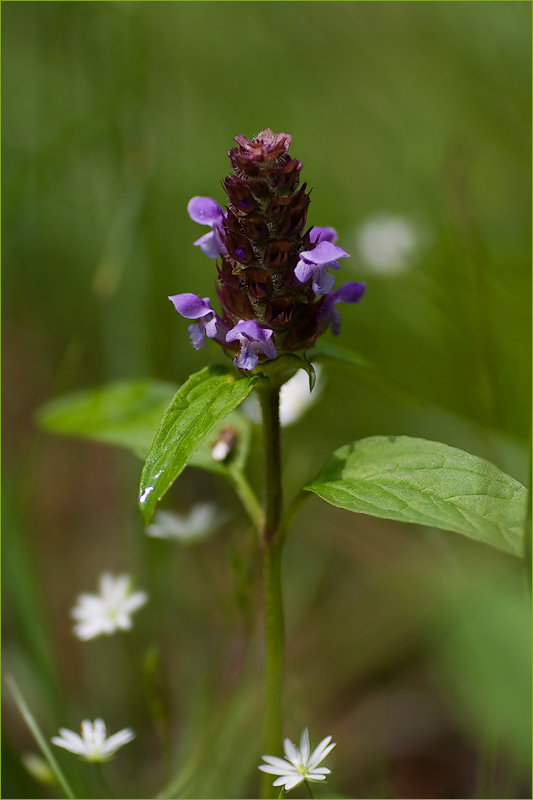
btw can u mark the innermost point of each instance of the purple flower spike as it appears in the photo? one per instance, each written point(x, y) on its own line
point(328, 314)
point(323, 235)
point(191, 306)
point(207, 211)
point(314, 264)
point(253, 339)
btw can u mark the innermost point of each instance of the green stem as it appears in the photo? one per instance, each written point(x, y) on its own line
point(269, 396)
point(292, 509)
point(272, 547)
point(308, 789)
point(247, 497)
point(104, 787)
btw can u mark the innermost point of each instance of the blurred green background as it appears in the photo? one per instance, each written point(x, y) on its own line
point(410, 647)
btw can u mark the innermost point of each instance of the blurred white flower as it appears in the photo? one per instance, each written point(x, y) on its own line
point(301, 764)
point(93, 744)
point(387, 244)
point(295, 398)
point(202, 520)
point(108, 611)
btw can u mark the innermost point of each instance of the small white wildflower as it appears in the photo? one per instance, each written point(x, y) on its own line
point(301, 764)
point(93, 744)
point(202, 520)
point(108, 611)
point(295, 399)
point(387, 244)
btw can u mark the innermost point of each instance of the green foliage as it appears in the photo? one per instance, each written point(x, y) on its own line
point(347, 359)
point(205, 399)
point(284, 367)
point(485, 660)
point(428, 483)
point(128, 414)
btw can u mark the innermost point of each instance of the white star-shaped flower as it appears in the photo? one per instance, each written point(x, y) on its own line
point(301, 764)
point(108, 611)
point(93, 744)
point(202, 520)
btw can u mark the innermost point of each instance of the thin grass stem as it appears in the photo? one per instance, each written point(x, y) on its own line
point(31, 722)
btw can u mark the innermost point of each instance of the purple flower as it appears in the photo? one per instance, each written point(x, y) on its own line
point(191, 306)
point(323, 235)
point(328, 314)
point(253, 340)
point(315, 263)
point(207, 211)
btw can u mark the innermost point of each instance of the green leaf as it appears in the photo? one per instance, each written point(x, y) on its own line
point(340, 356)
point(282, 369)
point(428, 483)
point(202, 402)
point(128, 414)
point(125, 414)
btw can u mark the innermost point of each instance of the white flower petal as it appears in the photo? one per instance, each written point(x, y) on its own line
point(86, 631)
point(99, 731)
point(292, 753)
point(322, 770)
point(87, 606)
point(290, 783)
point(73, 747)
point(117, 740)
point(70, 735)
point(92, 744)
point(134, 601)
point(270, 769)
point(107, 583)
point(304, 746)
point(320, 753)
point(284, 766)
point(108, 612)
point(280, 781)
point(123, 622)
point(315, 776)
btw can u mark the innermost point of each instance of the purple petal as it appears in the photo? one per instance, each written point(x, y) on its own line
point(205, 210)
point(210, 244)
point(246, 358)
point(197, 335)
point(303, 271)
point(210, 326)
point(323, 282)
point(324, 253)
point(350, 293)
point(252, 338)
point(334, 320)
point(323, 234)
point(252, 330)
point(191, 306)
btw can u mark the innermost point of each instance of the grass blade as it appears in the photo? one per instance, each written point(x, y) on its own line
point(38, 736)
